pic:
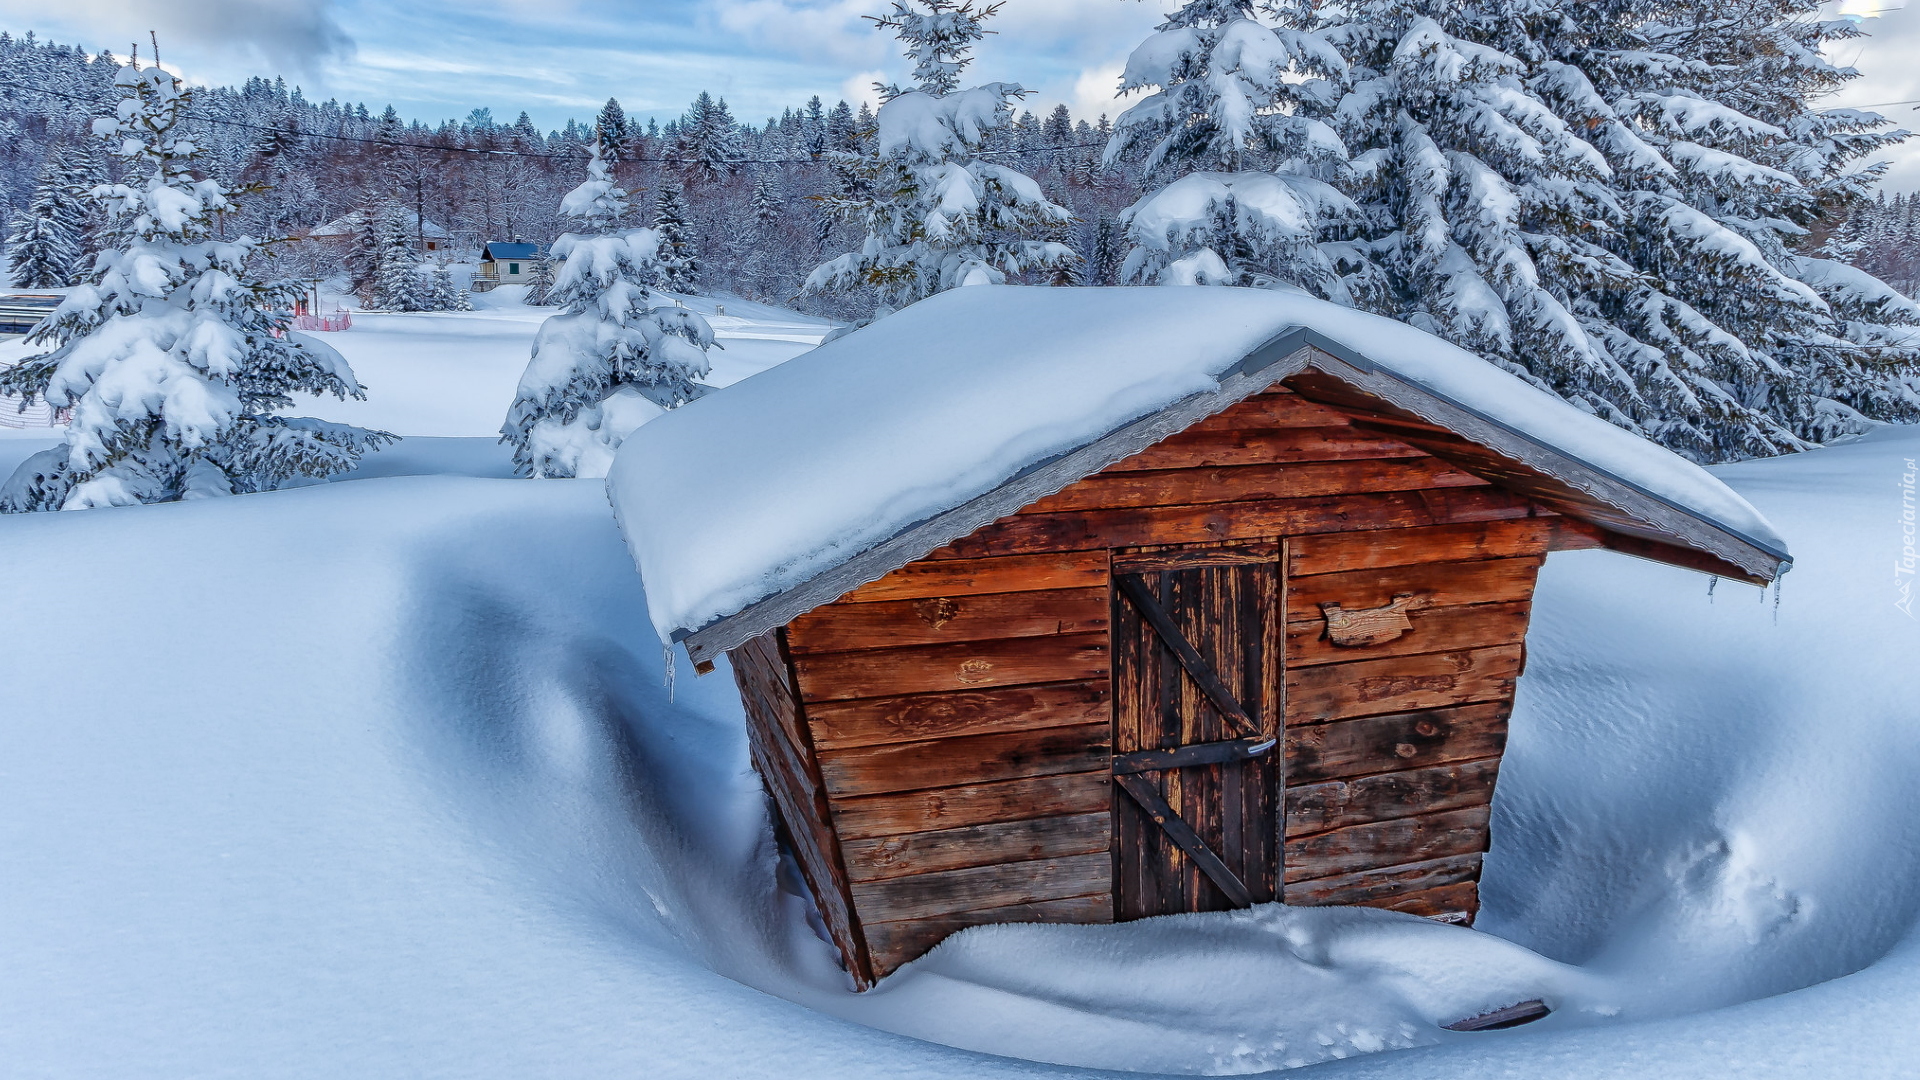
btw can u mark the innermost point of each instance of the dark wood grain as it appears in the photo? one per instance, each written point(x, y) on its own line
point(915, 717)
point(1330, 553)
point(967, 577)
point(1242, 483)
point(974, 888)
point(963, 666)
point(943, 619)
point(1395, 742)
point(977, 845)
point(1402, 684)
point(898, 813)
point(1380, 844)
point(1333, 804)
point(969, 759)
point(1380, 886)
point(1216, 522)
point(1437, 584)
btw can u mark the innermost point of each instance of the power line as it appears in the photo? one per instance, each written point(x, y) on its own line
point(395, 143)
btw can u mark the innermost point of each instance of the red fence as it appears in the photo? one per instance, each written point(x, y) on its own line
point(338, 319)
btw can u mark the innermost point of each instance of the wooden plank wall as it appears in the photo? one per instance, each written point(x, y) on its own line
point(959, 707)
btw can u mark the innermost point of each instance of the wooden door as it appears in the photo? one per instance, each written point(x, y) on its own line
point(1197, 706)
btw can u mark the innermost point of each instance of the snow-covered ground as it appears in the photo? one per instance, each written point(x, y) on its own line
point(380, 778)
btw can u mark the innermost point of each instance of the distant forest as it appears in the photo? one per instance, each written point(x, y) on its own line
point(485, 178)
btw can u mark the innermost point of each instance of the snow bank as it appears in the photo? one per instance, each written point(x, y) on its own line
point(380, 779)
point(745, 494)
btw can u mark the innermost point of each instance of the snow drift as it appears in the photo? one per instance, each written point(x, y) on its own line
point(381, 778)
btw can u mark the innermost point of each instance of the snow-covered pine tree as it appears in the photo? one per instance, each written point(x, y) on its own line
point(46, 247)
point(769, 214)
point(612, 127)
point(678, 258)
point(399, 285)
point(540, 286)
point(173, 358)
point(1605, 201)
point(936, 216)
point(1247, 203)
point(614, 358)
point(363, 258)
point(706, 148)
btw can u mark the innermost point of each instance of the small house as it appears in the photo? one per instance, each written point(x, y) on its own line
point(431, 237)
point(1081, 605)
point(506, 263)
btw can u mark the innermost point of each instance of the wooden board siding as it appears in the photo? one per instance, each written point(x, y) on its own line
point(957, 711)
point(782, 751)
point(1393, 748)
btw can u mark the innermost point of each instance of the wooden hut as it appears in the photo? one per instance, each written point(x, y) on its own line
point(1080, 605)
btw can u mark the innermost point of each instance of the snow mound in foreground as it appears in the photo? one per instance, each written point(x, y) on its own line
point(381, 778)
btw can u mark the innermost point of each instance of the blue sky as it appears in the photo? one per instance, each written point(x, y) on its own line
point(437, 59)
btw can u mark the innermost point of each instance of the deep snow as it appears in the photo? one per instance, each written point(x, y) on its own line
point(380, 778)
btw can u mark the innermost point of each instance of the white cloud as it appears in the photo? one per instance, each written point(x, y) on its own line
point(227, 36)
point(859, 88)
point(807, 29)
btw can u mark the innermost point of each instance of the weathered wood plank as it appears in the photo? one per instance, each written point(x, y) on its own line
point(974, 888)
point(1331, 553)
point(1207, 449)
point(1459, 899)
point(977, 845)
point(895, 943)
point(1381, 886)
point(781, 753)
point(969, 759)
point(1395, 743)
point(872, 721)
point(1402, 683)
point(895, 814)
point(1435, 629)
point(1128, 527)
point(967, 577)
point(923, 669)
point(941, 619)
point(1437, 584)
point(1245, 483)
point(1384, 843)
point(1274, 410)
point(1313, 808)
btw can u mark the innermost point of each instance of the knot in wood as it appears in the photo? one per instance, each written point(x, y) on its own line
point(976, 670)
point(1405, 750)
point(936, 612)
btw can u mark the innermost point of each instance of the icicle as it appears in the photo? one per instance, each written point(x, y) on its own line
point(666, 653)
point(1712, 583)
point(1776, 599)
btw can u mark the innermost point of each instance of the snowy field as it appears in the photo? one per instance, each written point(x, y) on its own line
point(380, 778)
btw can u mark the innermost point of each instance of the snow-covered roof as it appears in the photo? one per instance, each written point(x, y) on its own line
point(498, 249)
point(346, 224)
point(749, 507)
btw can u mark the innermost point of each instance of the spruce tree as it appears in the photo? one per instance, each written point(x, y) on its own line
point(935, 215)
point(46, 247)
point(1606, 201)
point(613, 130)
point(706, 148)
point(174, 358)
point(679, 254)
point(615, 357)
point(1225, 123)
point(399, 286)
